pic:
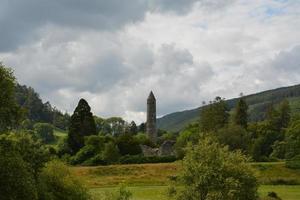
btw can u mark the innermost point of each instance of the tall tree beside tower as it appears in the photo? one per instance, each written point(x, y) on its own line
point(82, 124)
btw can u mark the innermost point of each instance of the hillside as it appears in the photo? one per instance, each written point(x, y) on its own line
point(257, 106)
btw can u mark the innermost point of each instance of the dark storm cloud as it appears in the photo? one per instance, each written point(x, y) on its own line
point(20, 19)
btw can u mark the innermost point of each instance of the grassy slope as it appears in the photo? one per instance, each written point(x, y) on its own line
point(178, 120)
point(149, 181)
point(159, 174)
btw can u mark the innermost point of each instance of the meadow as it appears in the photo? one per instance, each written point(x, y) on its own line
point(150, 181)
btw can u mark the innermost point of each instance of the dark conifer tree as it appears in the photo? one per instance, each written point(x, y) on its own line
point(284, 113)
point(82, 124)
point(241, 113)
point(142, 127)
point(133, 128)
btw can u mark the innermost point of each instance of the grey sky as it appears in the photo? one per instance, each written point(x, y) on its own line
point(114, 52)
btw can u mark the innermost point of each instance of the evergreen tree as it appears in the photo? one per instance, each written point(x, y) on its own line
point(214, 116)
point(82, 124)
point(133, 128)
point(241, 113)
point(142, 127)
point(273, 118)
point(284, 113)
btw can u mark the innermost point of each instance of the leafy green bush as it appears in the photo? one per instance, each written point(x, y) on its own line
point(16, 178)
point(45, 132)
point(56, 183)
point(94, 161)
point(212, 171)
point(111, 153)
point(83, 154)
point(293, 163)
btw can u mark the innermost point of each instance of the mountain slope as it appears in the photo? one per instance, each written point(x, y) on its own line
point(257, 106)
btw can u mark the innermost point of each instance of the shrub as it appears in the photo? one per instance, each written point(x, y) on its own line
point(94, 161)
point(56, 182)
point(212, 171)
point(293, 163)
point(45, 132)
point(16, 179)
point(111, 153)
point(83, 154)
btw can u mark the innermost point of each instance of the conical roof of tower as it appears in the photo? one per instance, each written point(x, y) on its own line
point(151, 96)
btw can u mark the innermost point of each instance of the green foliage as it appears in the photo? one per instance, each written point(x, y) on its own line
point(111, 153)
point(214, 116)
point(127, 145)
point(189, 134)
point(57, 183)
point(83, 154)
point(32, 152)
point(10, 112)
point(293, 163)
point(82, 124)
point(16, 179)
point(292, 138)
point(266, 136)
point(211, 171)
point(45, 132)
point(236, 137)
point(133, 129)
point(37, 111)
point(142, 138)
point(279, 150)
point(241, 113)
point(284, 113)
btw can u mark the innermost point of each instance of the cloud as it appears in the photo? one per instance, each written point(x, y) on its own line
point(113, 52)
point(20, 19)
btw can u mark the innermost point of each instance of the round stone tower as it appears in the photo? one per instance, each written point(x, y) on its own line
point(151, 118)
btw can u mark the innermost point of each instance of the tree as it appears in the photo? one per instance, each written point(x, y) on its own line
point(82, 124)
point(241, 113)
point(142, 128)
point(273, 118)
point(45, 132)
point(133, 128)
point(189, 135)
point(236, 137)
point(127, 145)
point(212, 171)
point(292, 139)
point(214, 116)
point(284, 114)
point(111, 153)
point(33, 152)
point(16, 179)
point(10, 112)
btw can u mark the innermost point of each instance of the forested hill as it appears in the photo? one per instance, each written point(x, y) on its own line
point(257, 106)
point(38, 111)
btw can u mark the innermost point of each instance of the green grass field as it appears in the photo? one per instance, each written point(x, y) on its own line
point(159, 192)
point(149, 181)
